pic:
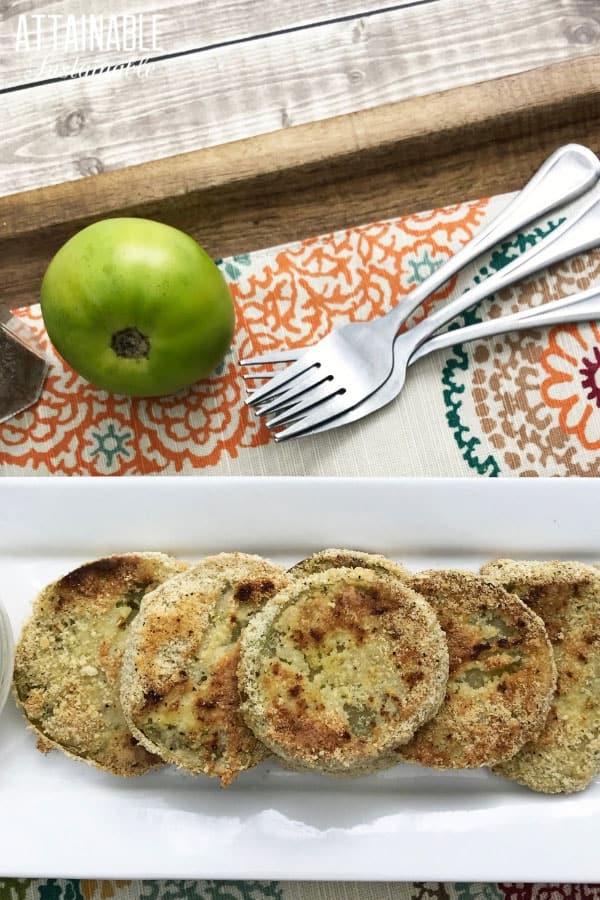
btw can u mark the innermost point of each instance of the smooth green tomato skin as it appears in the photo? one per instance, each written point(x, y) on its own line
point(137, 307)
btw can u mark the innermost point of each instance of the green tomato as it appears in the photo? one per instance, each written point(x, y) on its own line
point(137, 307)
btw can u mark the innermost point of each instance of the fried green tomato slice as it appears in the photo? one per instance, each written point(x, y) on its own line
point(179, 683)
point(565, 757)
point(339, 668)
point(502, 674)
point(334, 558)
point(69, 655)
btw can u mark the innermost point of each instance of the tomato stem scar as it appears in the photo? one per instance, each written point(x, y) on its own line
point(130, 344)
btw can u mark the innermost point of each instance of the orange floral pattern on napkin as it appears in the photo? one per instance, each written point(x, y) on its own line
point(573, 383)
point(291, 296)
point(525, 404)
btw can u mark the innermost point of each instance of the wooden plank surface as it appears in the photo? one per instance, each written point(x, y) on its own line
point(63, 131)
point(182, 26)
point(378, 163)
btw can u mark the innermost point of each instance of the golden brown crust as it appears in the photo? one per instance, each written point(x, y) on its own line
point(566, 595)
point(335, 558)
point(68, 660)
point(179, 681)
point(501, 679)
point(340, 667)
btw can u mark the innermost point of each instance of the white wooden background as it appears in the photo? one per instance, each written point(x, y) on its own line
point(228, 69)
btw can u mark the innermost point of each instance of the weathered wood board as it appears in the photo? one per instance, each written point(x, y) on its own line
point(182, 26)
point(231, 69)
point(378, 163)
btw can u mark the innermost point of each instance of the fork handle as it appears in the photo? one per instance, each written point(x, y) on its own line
point(581, 307)
point(567, 174)
point(578, 234)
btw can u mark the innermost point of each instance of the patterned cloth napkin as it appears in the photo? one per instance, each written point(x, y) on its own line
point(521, 405)
point(54, 889)
point(525, 404)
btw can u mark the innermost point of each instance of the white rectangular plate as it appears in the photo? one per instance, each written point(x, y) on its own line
point(63, 818)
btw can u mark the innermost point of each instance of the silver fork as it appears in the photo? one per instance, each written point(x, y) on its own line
point(580, 233)
point(583, 306)
point(351, 362)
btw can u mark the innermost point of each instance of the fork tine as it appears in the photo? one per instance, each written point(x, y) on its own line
point(292, 371)
point(271, 357)
point(281, 393)
point(252, 376)
point(313, 418)
point(309, 401)
point(280, 397)
point(299, 387)
point(289, 409)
